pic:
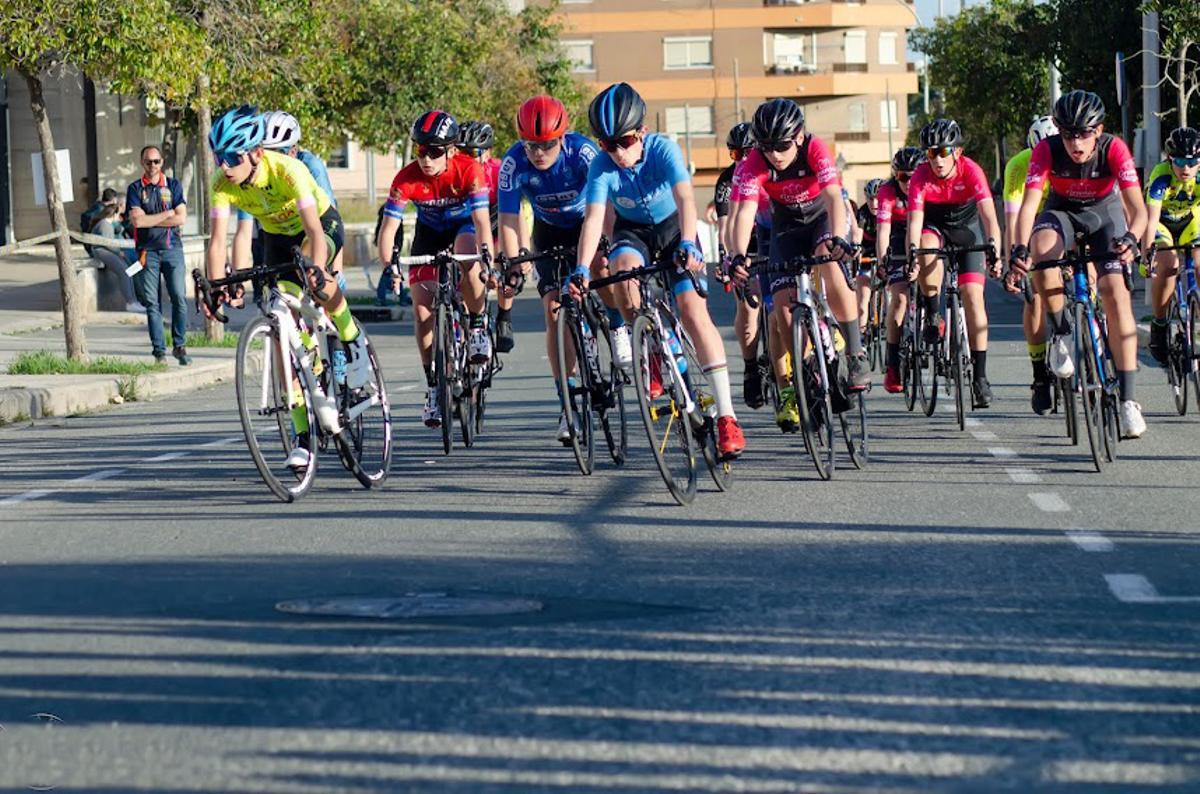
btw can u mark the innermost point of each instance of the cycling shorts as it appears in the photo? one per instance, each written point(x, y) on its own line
point(1178, 231)
point(428, 241)
point(545, 237)
point(1100, 223)
point(972, 266)
point(650, 243)
point(792, 241)
point(277, 248)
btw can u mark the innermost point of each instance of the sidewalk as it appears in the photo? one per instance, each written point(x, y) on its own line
point(30, 320)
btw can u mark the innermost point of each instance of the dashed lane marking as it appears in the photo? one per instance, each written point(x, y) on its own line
point(1132, 588)
point(1001, 452)
point(1022, 475)
point(165, 457)
point(1049, 502)
point(984, 435)
point(1090, 541)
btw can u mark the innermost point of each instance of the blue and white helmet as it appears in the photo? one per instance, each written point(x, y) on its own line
point(238, 130)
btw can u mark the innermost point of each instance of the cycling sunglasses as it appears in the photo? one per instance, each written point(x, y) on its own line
point(541, 146)
point(228, 159)
point(903, 176)
point(624, 142)
point(431, 152)
point(1071, 135)
point(775, 146)
point(1185, 162)
point(939, 151)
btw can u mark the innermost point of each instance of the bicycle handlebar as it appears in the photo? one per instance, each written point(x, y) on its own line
point(209, 291)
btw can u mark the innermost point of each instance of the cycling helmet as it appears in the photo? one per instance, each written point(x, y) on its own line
point(280, 130)
point(777, 120)
point(476, 135)
point(435, 128)
point(941, 132)
point(907, 159)
point(1078, 110)
point(1183, 142)
point(615, 111)
point(542, 118)
point(238, 130)
point(1041, 128)
point(740, 136)
point(872, 187)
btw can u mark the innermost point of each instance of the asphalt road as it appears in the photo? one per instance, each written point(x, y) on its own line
point(964, 615)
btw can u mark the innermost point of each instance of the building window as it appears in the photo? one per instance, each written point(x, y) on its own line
point(580, 53)
point(694, 52)
point(858, 116)
point(339, 157)
point(695, 119)
point(889, 116)
point(887, 48)
point(790, 52)
point(855, 43)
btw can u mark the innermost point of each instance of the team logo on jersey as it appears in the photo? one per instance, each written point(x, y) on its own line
point(535, 181)
point(625, 202)
point(507, 169)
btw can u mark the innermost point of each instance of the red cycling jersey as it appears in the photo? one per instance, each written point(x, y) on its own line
point(966, 186)
point(491, 176)
point(893, 205)
point(795, 191)
point(1081, 183)
point(443, 201)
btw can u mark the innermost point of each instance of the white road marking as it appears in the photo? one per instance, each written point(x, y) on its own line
point(1049, 502)
point(1001, 452)
point(1022, 475)
point(28, 496)
point(164, 457)
point(1090, 541)
point(984, 435)
point(220, 442)
point(408, 387)
point(971, 421)
point(1132, 588)
point(103, 474)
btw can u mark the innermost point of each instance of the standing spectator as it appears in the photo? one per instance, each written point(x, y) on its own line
point(157, 209)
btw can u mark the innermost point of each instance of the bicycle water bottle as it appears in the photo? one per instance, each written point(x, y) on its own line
point(339, 365)
point(676, 348)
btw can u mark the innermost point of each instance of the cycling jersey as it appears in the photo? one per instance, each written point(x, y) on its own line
point(445, 201)
point(1077, 185)
point(724, 192)
point(643, 193)
point(892, 207)
point(867, 222)
point(1179, 200)
point(491, 177)
point(280, 188)
point(316, 167)
point(964, 189)
point(556, 194)
point(795, 191)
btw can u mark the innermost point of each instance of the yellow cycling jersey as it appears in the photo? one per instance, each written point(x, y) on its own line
point(1015, 172)
point(280, 188)
point(1179, 200)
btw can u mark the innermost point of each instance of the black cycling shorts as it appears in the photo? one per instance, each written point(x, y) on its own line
point(1099, 223)
point(277, 248)
point(652, 242)
point(792, 241)
point(549, 271)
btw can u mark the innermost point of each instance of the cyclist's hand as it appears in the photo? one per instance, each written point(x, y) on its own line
point(1127, 246)
point(995, 263)
point(739, 269)
point(1146, 264)
point(839, 248)
point(1018, 267)
point(688, 255)
point(577, 282)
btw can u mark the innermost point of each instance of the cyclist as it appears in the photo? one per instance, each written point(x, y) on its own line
point(548, 166)
point(745, 320)
point(947, 197)
point(281, 194)
point(476, 138)
point(1033, 322)
point(645, 178)
point(450, 192)
point(808, 218)
point(864, 236)
point(890, 235)
point(1173, 205)
point(1082, 164)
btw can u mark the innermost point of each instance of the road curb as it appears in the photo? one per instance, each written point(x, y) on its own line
point(83, 395)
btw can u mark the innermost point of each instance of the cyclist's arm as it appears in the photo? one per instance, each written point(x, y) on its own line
point(589, 233)
point(916, 222)
point(723, 231)
point(1135, 210)
point(242, 239)
point(883, 236)
point(835, 205)
point(217, 228)
point(510, 233)
point(318, 250)
point(1027, 215)
point(483, 228)
point(685, 202)
point(742, 225)
point(856, 232)
point(1153, 213)
point(991, 224)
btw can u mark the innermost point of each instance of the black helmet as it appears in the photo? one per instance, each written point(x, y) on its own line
point(435, 128)
point(740, 136)
point(872, 187)
point(1183, 142)
point(1078, 110)
point(907, 159)
point(777, 120)
point(615, 111)
point(476, 135)
point(941, 132)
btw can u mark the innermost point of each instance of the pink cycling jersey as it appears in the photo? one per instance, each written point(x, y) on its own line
point(1081, 183)
point(794, 191)
point(966, 185)
point(893, 205)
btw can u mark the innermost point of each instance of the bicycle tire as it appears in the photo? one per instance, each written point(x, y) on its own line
point(960, 358)
point(464, 406)
point(816, 429)
point(609, 396)
point(1066, 387)
point(443, 362)
point(1089, 386)
point(1178, 357)
point(927, 366)
point(258, 381)
point(854, 430)
point(576, 400)
point(663, 419)
point(706, 430)
point(366, 438)
point(1193, 345)
point(908, 365)
point(876, 325)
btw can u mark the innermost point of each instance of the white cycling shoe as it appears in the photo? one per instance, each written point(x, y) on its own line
point(622, 349)
point(1132, 423)
point(1059, 356)
point(299, 459)
point(358, 364)
point(432, 415)
point(479, 348)
point(564, 430)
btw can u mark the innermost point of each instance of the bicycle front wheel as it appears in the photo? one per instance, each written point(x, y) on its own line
point(812, 393)
point(576, 397)
point(260, 382)
point(854, 429)
point(704, 421)
point(1193, 345)
point(1089, 386)
point(608, 399)
point(663, 414)
point(366, 438)
point(443, 362)
point(1178, 356)
point(960, 362)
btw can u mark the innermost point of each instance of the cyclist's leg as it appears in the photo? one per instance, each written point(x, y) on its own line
point(1166, 268)
point(929, 274)
point(862, 286)
point(472, 289)
point(972, 275)
point(1053, 233)
point(787, 243)
point(422, 281)
point(1106, 222)
point(1033, 324)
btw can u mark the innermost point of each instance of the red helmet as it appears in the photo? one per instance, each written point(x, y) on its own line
point(542, 118)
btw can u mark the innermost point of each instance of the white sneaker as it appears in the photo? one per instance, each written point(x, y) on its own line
point(298, 459)
point(358, 365)
point(1132, 423)
point(432, 415)
point(564, 430)
point(1059, 357)
point(622, 350)
point(479, 348)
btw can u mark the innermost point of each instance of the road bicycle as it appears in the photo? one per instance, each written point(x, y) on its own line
point(1183, 326)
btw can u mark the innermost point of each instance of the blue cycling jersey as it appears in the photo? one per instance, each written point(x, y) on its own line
point(316, 167)
point(641, 194)
point(555, 194)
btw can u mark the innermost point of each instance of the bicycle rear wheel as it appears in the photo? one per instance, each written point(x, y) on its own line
point(1090, 389)
point(1066, 388)
point(366, 438)
point(577, 399)
point(1178, 356)
point(812, 395)
point(261, 388)
point(464, 405)
point(1193, 345)
point(908, 369)
point(704, 421)
point(664, 418)
point(443, 362)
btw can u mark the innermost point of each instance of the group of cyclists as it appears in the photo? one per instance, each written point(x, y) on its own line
point(624, 200)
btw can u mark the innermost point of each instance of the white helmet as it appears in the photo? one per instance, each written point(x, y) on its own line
point(282, 130)
point(1041, 128)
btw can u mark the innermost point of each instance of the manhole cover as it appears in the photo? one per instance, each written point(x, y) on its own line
point(413, 605)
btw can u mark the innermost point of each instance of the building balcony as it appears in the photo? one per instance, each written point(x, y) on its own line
point(801, 85)
point(823, 15)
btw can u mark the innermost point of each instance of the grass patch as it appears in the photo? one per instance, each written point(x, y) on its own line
point(128, 388)
point(43, 362)
point(200, 339)
point(358, 210)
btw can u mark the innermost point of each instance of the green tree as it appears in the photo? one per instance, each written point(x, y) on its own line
point(991, 68)
point(105, 40)
point(1179, 23)
point(1086, 36)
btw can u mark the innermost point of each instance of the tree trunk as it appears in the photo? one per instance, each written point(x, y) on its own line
point(72, 300)
point(170, 141)
point(213, 329)
point(1182, 97)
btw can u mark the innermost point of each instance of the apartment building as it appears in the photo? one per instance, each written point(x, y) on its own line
point(704, 65)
